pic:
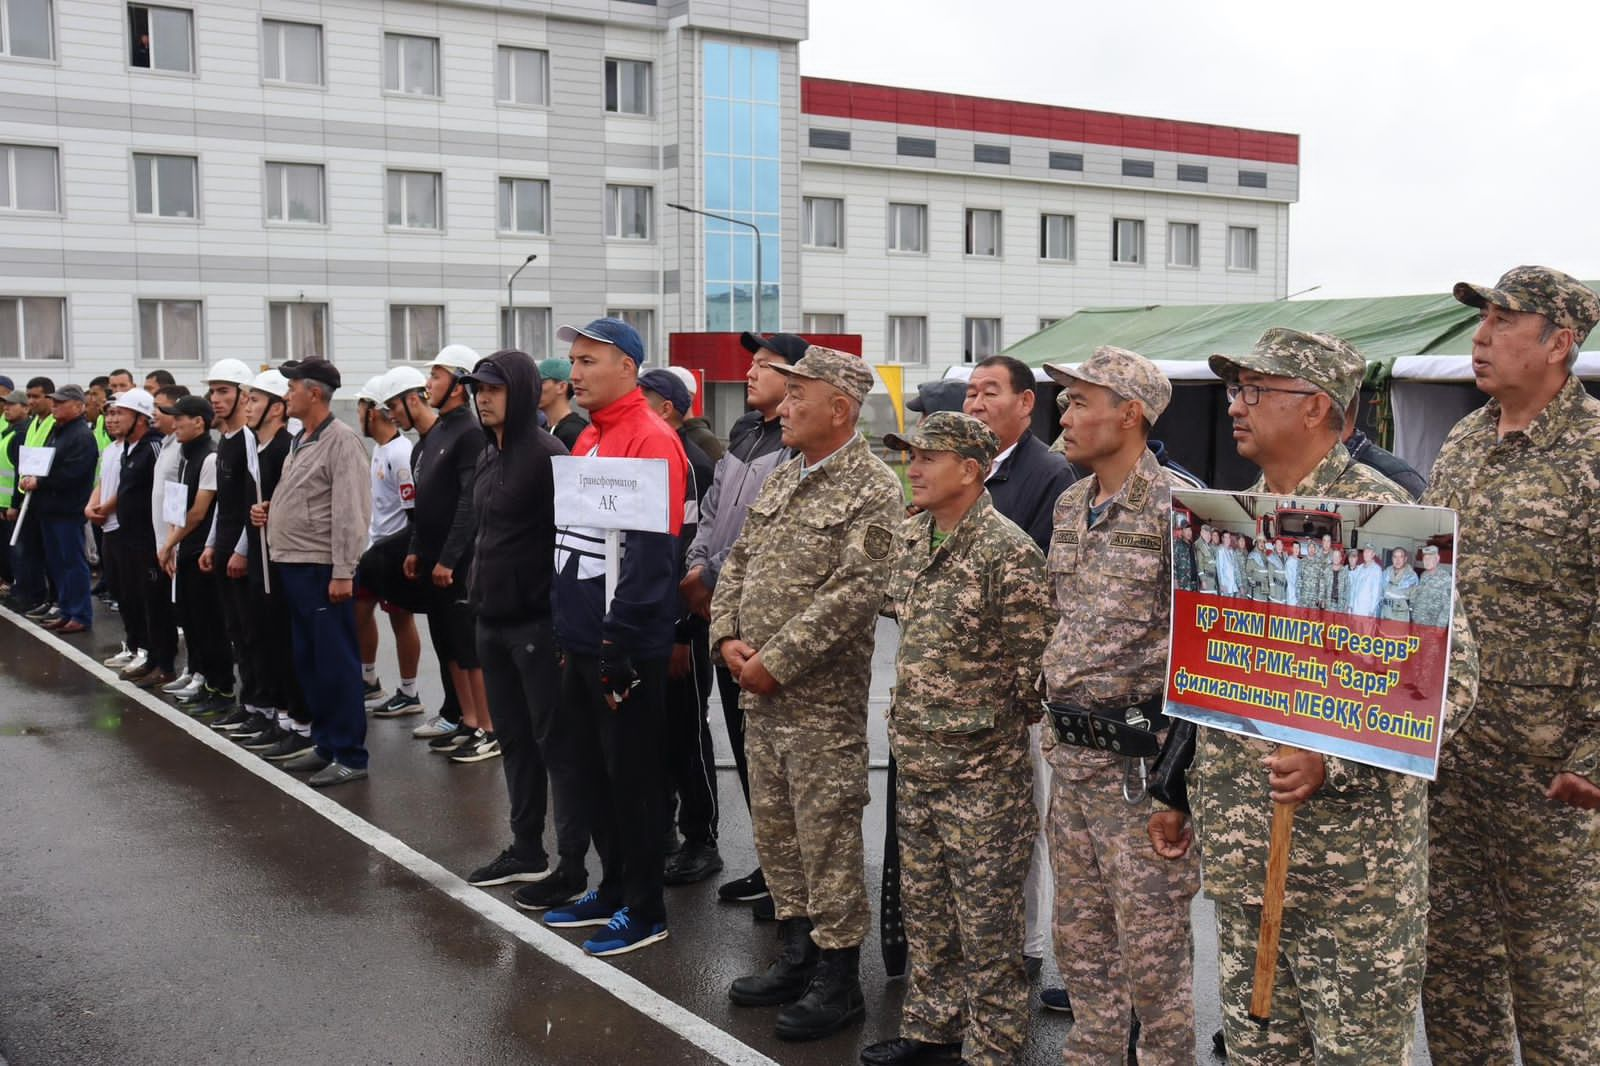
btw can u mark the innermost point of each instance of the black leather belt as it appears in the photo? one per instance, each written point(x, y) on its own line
point(1132, 731)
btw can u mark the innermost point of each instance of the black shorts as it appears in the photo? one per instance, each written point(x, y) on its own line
point(381, 572)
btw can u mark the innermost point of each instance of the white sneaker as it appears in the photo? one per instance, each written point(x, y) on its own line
point(437, 726)
point(181, 682)
point(196, 685)
point(140, 657)
point(119, 660)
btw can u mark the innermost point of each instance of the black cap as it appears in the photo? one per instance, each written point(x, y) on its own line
point(932, 397)
point(487, 372)
point(66, 393)
point(668, 386)
point(190, 407)
point(312, 370)
point(791, 347)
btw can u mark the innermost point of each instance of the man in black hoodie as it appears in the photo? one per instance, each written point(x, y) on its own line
point(514, 561)
point(58, 502)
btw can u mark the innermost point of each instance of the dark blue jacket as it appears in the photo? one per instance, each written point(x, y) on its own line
point(65, 493)
point(1026, 486)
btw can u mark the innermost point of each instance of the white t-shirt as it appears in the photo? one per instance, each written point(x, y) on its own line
point(166, 472)
point(110, 475)
point(393, 491)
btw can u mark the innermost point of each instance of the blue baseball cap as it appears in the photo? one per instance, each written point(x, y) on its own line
point(668, 386)
point(607, 331)
point(6, 385)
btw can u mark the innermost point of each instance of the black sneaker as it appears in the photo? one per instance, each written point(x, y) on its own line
point(259, 727)
point(288, 746)
point(752, 886)
point(40, 611)
point(693, 862)
point(557, 890)
point(240, 718)
point(451, 741)
point(507, 867)
point(398, 706)
point(265, 739)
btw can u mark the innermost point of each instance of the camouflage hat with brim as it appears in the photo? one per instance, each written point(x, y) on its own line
point(1128, 374)
point(1563, 299)
point(949, 431)
point(1330, 363)
point(843, 371)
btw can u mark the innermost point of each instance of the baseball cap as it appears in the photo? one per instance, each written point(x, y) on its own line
point(271, 382)
point(400, 379)
point(457, 357)
point(1125, 373)
point(229, 372)
point(1429, 549)
point(21, 398)
point(945, 395)
point(668, 386)
point(555, 369)
point(685, 375)
point(68, 392)
point(136, 400)
point(314, 369)
point(1561, 298)
point(788, 345)
point(189, 407)
point(607, 331)
point(1330, 363)
point(843, 371)
point(949, 431)
point(487, 372)
point(6, 385)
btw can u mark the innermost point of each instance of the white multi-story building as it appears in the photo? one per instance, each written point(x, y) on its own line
point(269, 179)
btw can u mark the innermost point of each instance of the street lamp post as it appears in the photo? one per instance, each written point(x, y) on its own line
point(737, 222)
point(511, 305)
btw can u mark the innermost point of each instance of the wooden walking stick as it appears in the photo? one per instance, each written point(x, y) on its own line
point(1272, 909)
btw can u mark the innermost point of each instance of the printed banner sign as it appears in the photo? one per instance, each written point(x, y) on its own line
point(1324, 624)
point(610, 493)
point(35, 462)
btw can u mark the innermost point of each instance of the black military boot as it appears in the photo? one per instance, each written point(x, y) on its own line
point(832, 1001)
point(787, 978)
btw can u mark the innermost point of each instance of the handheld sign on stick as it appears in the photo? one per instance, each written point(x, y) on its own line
point(605, 495)
point(31, 462)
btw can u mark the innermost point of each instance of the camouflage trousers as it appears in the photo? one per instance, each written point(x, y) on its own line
point(1346, 990)
point(808, 787)
point(964, 849)
point(1514, 926)
point(1038, 889)
point(1123, 942)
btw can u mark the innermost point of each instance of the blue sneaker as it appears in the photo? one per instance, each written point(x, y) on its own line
point(623, 935)
point(587, 911)
point(1055, 999)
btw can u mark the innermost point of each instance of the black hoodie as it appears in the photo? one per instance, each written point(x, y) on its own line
point(514, 497)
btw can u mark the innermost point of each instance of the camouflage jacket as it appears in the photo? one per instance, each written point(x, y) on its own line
point(1528, 566)
point(1183, 566)
point(1205, 558)
point(1361, 840)
point(804, 582)
point(1430, 600)
point(974, 616)
point(1112, 589)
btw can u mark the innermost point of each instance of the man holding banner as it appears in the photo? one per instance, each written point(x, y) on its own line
point(59, 498)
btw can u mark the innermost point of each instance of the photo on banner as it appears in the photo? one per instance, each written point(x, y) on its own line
point(1322, 624)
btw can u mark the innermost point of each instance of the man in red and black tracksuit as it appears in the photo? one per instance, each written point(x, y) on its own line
point(609, 739)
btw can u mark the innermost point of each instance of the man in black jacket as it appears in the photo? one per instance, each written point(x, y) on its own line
point(228, 543)
point(58, 502)
point(1027, 477)
point(1366, 452)
point(131, 547)
point(509, 590)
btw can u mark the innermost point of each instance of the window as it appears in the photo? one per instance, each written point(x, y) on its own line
point(413, 199)
point(921, 147)
point(416, 332)
point(291, 52)
point(823, 222)
point(410, 64)
point(1183, 244)
point(627, 87)
point(908, 227)
point(25, 32)
point(1252, 179)
point(1127, 240)
point(1046, 323)
point(1056, 237)
point(1241, 247)
point(836, 139)
point(742, 116)
point(983, 232)
point(991, 153)
point(28, 178)
point(642, 319)
point(294, 193)
point(1138, 168)
point(524, 205)
point(908, 339)
point(1191, 172)
point(33, 329)
point(162, 38)
point(522, 76)
point(166, 186)
point(527, 329)
point(169, 331)
point(823, 324)
point(1066, 160)
point(983, 338)
point(628, 212)
point(297, 331)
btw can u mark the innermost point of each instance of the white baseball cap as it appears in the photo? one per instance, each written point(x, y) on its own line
point(456, 357)
point(230, 372)
point(396, 381)
point(138, 401)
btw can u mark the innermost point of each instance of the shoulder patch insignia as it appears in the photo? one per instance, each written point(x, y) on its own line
point(1138, 492)
point(1149, 542)
point(877, 542)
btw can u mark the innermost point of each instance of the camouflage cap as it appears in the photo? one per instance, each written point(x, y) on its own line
point(1562, 299)
point(1330, 363)
point(1430, 549)
point(949, 431)
point(1128, 374)
point(843, 371)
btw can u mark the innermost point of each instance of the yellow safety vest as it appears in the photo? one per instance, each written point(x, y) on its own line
point(39, 430)
point(8, 472)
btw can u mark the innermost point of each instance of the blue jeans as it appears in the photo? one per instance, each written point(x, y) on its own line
point(28, 585)
point(327, 661)
point(68, 566)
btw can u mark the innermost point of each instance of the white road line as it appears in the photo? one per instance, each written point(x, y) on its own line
point(629, 990)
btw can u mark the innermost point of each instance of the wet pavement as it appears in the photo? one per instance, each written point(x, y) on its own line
point(166, 905)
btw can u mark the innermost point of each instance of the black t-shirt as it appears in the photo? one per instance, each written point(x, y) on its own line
point(569, 428)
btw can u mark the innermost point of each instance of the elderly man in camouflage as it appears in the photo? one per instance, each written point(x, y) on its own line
point(793, 616)
point(1122, 915)
point(968, 588)
point(1514, 946)
point(1349, 973)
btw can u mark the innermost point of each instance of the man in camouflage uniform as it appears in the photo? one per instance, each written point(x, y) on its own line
point(1205, 559)
point(1257, 572)
point(1184, 574)
point(968, 588)
point(1430, 600)
point(1122, 915)
point(1350, 957)
point(1398, 581)
point(1514, 944)
point(1308, 593)
point(1277, 575)
point(793, 617)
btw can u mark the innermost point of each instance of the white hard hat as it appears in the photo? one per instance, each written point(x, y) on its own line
point(456, 357)
point(230, 372)
point(400, 379)
point(686, 376)
point(369, 391)
point(136, 400)
point(271, 382)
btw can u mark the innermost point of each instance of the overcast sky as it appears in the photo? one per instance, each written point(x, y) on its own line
point(1437, 141)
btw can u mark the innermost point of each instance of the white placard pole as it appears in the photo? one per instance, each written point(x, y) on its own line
point(613, 564)
point(614, 495)
point(16, 530)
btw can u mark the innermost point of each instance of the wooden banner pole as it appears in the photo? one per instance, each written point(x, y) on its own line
point(1272, 910)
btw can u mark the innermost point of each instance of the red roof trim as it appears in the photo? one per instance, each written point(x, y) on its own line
point(916, 107)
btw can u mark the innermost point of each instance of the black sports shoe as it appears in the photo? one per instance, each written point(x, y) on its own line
point(240, 718)
point(560, 888)
point(507, 867)
point(693, 862)
point(259, 727)
point(287, 747)
point(752, 886)
point(267, 738)
point(448, 743)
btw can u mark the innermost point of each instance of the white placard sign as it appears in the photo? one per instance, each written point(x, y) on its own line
point(35, 462)
point(175, 504)
point(609, 493)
